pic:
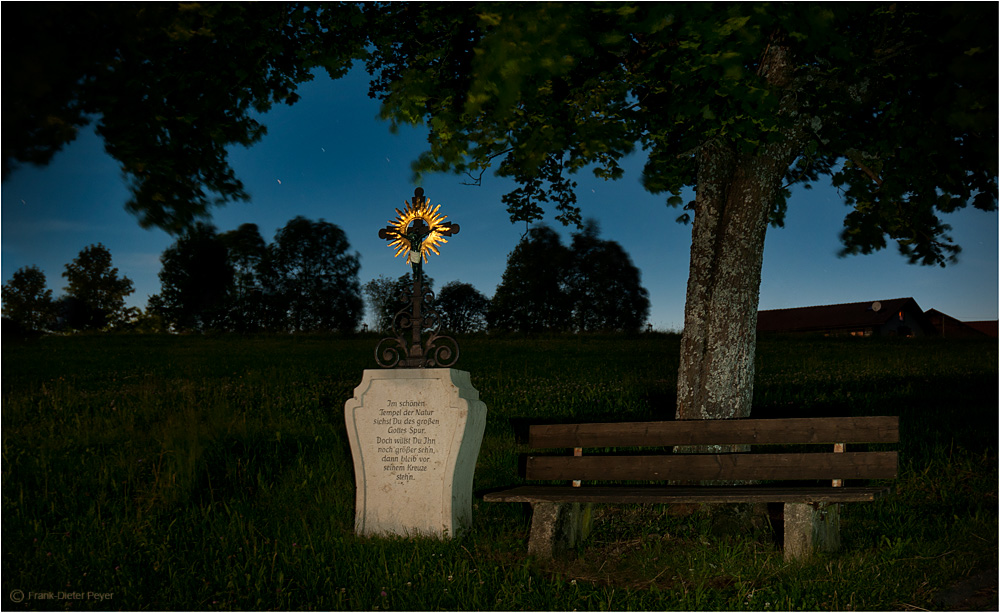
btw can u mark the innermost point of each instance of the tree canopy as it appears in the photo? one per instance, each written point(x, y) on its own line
point(604, 286)
point(195, 280)
point(26, 300)
point(895, 102)
point(306, 280)
point(588, 286)
point(315, 277)
point(171, 86)
point(95, 289)
point(462, 308)
point(248, 255)
point(532, 293)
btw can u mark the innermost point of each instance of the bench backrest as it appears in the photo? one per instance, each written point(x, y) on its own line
point(834, 431)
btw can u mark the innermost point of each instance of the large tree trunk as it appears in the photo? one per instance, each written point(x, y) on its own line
point(735, 194)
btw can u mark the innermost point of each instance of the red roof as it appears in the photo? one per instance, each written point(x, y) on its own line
point(946, 325)
point(989, 328)
point(855, 315)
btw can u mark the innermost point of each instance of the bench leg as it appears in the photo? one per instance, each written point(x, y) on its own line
point(811, 527)
point(557, 528)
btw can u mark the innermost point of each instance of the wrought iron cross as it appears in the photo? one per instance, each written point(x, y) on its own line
point(416, 230)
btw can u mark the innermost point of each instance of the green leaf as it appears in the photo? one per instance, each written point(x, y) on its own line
point(490, 19)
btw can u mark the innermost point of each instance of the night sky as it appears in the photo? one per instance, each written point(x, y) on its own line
point(330, 157)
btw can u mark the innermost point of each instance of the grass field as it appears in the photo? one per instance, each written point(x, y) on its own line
point(207, 473)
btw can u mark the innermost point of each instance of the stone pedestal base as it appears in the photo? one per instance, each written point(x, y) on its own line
point(415, 435)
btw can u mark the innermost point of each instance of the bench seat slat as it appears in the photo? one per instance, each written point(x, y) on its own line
point(716, 467)
point(792, 431)
point(681, 494)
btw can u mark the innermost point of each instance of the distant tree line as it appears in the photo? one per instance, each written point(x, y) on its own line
point(94, 299)
point(306, 280)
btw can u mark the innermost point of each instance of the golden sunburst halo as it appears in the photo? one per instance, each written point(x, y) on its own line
point(420, 210)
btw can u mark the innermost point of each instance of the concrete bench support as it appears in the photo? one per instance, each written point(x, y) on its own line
point(557, 528)
point(811, 527)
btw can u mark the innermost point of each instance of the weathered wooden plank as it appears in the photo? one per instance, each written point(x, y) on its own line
point(716, 467)
point(807, 430)
point(681, 494)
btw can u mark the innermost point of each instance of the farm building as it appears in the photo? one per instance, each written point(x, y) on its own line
point(949, 327)
point(990, 327)
point(897, 317)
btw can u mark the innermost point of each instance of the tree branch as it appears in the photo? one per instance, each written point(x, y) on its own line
point(477, 181)
point(855, 156)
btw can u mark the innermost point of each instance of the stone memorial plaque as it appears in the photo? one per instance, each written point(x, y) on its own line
point(415, 437)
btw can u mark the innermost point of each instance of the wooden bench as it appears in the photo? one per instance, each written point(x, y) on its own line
point(811, 521)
